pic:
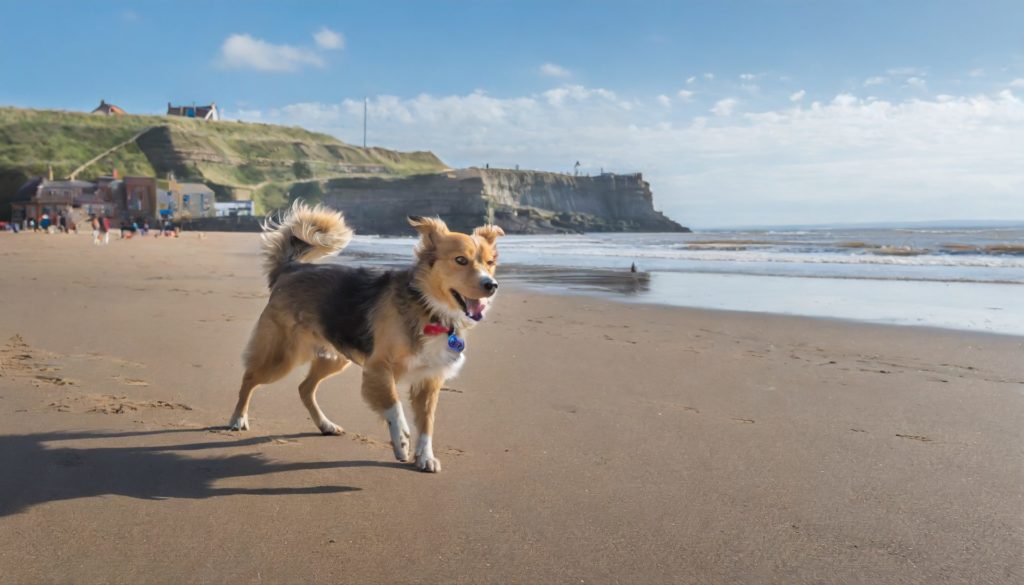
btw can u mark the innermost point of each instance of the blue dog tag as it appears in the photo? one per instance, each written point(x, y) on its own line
point(455, 344)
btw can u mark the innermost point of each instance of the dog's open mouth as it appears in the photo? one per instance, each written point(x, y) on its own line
point(473, 308)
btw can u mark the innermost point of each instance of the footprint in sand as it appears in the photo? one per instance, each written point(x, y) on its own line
point(920, 438)
point(54, 380)
point(131, 381)
point(112, 404)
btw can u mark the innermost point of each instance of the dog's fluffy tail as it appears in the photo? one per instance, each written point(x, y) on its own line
point(303, 234)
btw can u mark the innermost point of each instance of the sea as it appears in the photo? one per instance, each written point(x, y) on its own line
point(957, 278)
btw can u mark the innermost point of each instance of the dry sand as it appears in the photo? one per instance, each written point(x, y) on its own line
point(584, 442)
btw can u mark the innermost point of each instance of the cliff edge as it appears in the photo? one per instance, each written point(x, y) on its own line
point(522, 202)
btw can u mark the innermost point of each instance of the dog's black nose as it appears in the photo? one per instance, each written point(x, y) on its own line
point(489, 284)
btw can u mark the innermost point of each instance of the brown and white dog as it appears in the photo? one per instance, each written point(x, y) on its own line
point(402, 326)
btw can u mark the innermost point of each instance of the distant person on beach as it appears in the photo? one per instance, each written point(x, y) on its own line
point(105, 228)
point(44, 223)
point(144, 229)
point(31, 224)
point(62, 223)
point(95, 230)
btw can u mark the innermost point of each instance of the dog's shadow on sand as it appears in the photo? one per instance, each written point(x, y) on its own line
point(43, 467)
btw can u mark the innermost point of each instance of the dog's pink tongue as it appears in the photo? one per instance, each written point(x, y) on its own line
point(475, 308)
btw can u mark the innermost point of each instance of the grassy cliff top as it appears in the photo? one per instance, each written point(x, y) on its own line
point(235, 158)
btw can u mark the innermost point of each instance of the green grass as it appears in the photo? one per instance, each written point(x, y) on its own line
point(265, 159)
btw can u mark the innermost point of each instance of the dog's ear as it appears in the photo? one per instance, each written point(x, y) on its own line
point(428, 226)
point(489, 233)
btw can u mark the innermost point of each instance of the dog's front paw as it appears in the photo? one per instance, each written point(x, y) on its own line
point(428, 463)
point(400, 444)
point(399, 440)
point(425, 460)
point(329, 428)
point(399, 431)
point(239, 423)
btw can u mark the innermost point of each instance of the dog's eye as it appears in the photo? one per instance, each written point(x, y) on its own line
point(492, 262)
point(461, 260)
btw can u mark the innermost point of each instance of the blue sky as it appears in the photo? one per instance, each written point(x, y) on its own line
point(758, 112)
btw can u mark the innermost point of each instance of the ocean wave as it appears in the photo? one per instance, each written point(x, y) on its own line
point(891, 258)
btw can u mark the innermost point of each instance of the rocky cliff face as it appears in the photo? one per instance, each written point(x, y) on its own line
point(518, 201)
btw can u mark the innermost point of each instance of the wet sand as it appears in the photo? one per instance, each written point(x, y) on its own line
point(584, 442)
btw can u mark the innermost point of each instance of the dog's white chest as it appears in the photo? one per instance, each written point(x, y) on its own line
point(434, 360)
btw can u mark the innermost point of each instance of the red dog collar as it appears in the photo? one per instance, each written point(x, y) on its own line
point(437, 329)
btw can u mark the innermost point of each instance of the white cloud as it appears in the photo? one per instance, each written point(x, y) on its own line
point(664, 100)
point(877, 80)
point(1019, 82)
point(709, 76)
point(844, 159)
point(572, 94)
point(797, 96)
point(690, 80)
point(685, 94)
point(328, 39)
point(917, 82)
point(724, 107)
point(747, 76)
point(976, 72)
point(553, 70)
point(243, 51)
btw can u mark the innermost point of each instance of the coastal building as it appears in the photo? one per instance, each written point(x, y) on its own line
point(185, 200)
point(234, 208)
point(108, 109)
point(76, 200)
point(209, 112)
point(139, 197)
point(110, 188)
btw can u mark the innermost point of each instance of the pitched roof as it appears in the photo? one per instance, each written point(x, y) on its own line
point(27, 191)
point(65, 184)
point(109, 109)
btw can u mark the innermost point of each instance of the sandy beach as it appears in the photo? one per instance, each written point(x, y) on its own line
point(584, 442)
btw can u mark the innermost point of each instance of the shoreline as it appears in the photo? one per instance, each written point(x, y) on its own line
point(990, 308)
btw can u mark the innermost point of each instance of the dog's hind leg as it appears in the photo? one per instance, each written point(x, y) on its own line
point(379, 392)
point(424, 404)
point(324, 366)
point(240, 418)
point(270, 356)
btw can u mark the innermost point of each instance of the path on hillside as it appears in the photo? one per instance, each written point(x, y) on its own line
point(107, 152)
